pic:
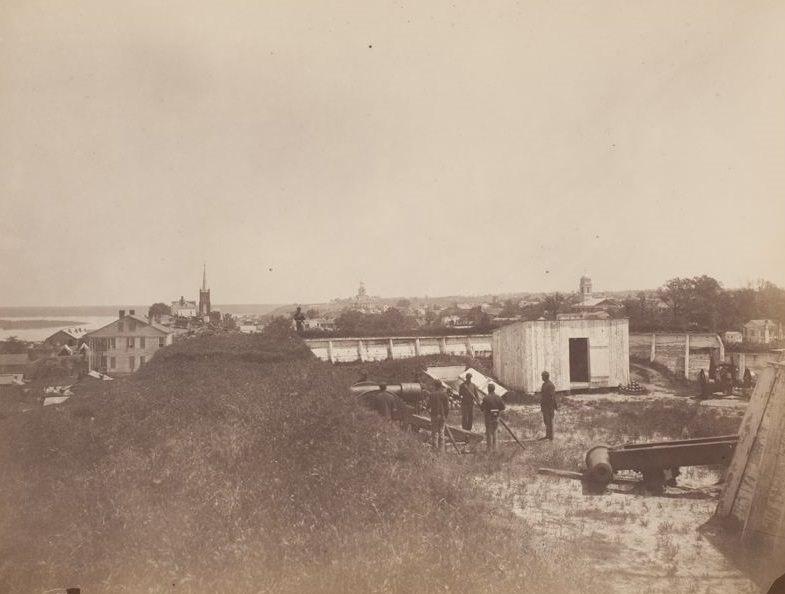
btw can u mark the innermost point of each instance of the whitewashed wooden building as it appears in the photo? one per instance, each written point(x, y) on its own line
point(578, 353)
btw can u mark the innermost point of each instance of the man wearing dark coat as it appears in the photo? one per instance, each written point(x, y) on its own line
point(702, 382)
point(468, 394)
point(548, 404)
point(492, 405)
point(299, 320)
point(439, 404)
point(383, 402)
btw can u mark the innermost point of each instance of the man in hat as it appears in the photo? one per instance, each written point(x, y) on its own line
point(702, 383)
point(383, 402)
point(299, 320)
point(548, 404)
point(468, 394)
point(439, 404)
point(492, 406)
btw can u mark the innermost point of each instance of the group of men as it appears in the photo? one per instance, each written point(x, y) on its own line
point(438, 402)
point(724, 380)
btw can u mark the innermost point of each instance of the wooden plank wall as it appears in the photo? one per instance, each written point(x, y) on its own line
point(756, 362)
point(522, 351)
point(670, 349)
point(346, 350)
point(754, 495)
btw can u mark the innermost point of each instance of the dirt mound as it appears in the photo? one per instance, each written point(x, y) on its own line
point(241, 464)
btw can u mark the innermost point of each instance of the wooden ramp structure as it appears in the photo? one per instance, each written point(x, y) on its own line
point(753, 499)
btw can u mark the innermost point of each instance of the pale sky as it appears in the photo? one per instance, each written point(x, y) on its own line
point(435, 148)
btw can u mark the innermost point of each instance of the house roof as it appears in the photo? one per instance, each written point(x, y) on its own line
point(138, 319)
point(759, 323)
point(183, 304)
point(597, 302)
point(76, 333)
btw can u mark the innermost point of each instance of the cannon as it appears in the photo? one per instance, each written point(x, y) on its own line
point(412, 395)
point(402, 389)
point(658, 462)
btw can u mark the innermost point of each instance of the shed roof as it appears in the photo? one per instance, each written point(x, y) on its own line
point(592, 321)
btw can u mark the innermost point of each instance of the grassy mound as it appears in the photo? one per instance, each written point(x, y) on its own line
point(242, 464)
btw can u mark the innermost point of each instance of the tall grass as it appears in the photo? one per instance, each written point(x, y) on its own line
point(241, 464)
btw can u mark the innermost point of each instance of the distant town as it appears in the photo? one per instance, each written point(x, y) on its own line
point(747, 319)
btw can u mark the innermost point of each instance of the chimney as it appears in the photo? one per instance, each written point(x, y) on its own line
point(122, 313)
point(131, 312)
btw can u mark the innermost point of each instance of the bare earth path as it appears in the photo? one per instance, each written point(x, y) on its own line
point(635, 541)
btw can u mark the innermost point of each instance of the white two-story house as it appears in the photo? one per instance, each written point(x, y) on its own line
point(126, 344)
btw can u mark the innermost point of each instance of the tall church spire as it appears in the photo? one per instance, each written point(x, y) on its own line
point(204, 295)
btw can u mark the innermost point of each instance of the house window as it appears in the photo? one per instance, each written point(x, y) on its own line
point(103, 361)
point(131, 362)
point(120, 326)
point(112, 362)
point(131, 325)
point(162, 342)
point(141, 342)
point(112, 344)
point(129, 342)
point(141, 360)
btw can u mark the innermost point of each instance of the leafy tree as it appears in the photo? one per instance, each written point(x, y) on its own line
point(403, 304)
point(13, 346)
point(770, 301)
point(350, 321)
point(158, 309)
point(229, 322)
point(556, 303)
point(312, 313)
point(699, 301)
point(510, 308)
point(279, 327)
point(392, 321)
point(478, 318)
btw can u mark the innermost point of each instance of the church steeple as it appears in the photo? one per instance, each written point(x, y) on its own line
point(204, 295)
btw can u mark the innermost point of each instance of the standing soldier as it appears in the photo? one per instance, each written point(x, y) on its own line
point(747, 377)
point(548, 404)
point(299, 320)
point(492, 405)
point(468, 394)
point(702, 382)
point(440, 407)
point(383, 402)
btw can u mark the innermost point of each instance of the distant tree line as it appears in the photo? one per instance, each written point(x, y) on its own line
point(701, 303)
point(697, 304)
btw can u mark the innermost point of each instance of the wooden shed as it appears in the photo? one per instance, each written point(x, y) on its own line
point(578, 353)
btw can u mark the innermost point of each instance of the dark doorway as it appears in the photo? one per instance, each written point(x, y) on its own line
point(579, 359)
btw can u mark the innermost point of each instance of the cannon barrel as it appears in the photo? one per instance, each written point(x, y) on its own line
point(403, 388)
point(598, 465)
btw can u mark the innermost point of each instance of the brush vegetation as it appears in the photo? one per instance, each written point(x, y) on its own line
point(242, 464)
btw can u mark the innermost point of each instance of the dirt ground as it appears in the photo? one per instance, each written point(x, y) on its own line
point(634, 540)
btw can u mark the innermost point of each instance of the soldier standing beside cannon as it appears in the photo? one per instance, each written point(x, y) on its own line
point(548, 404)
